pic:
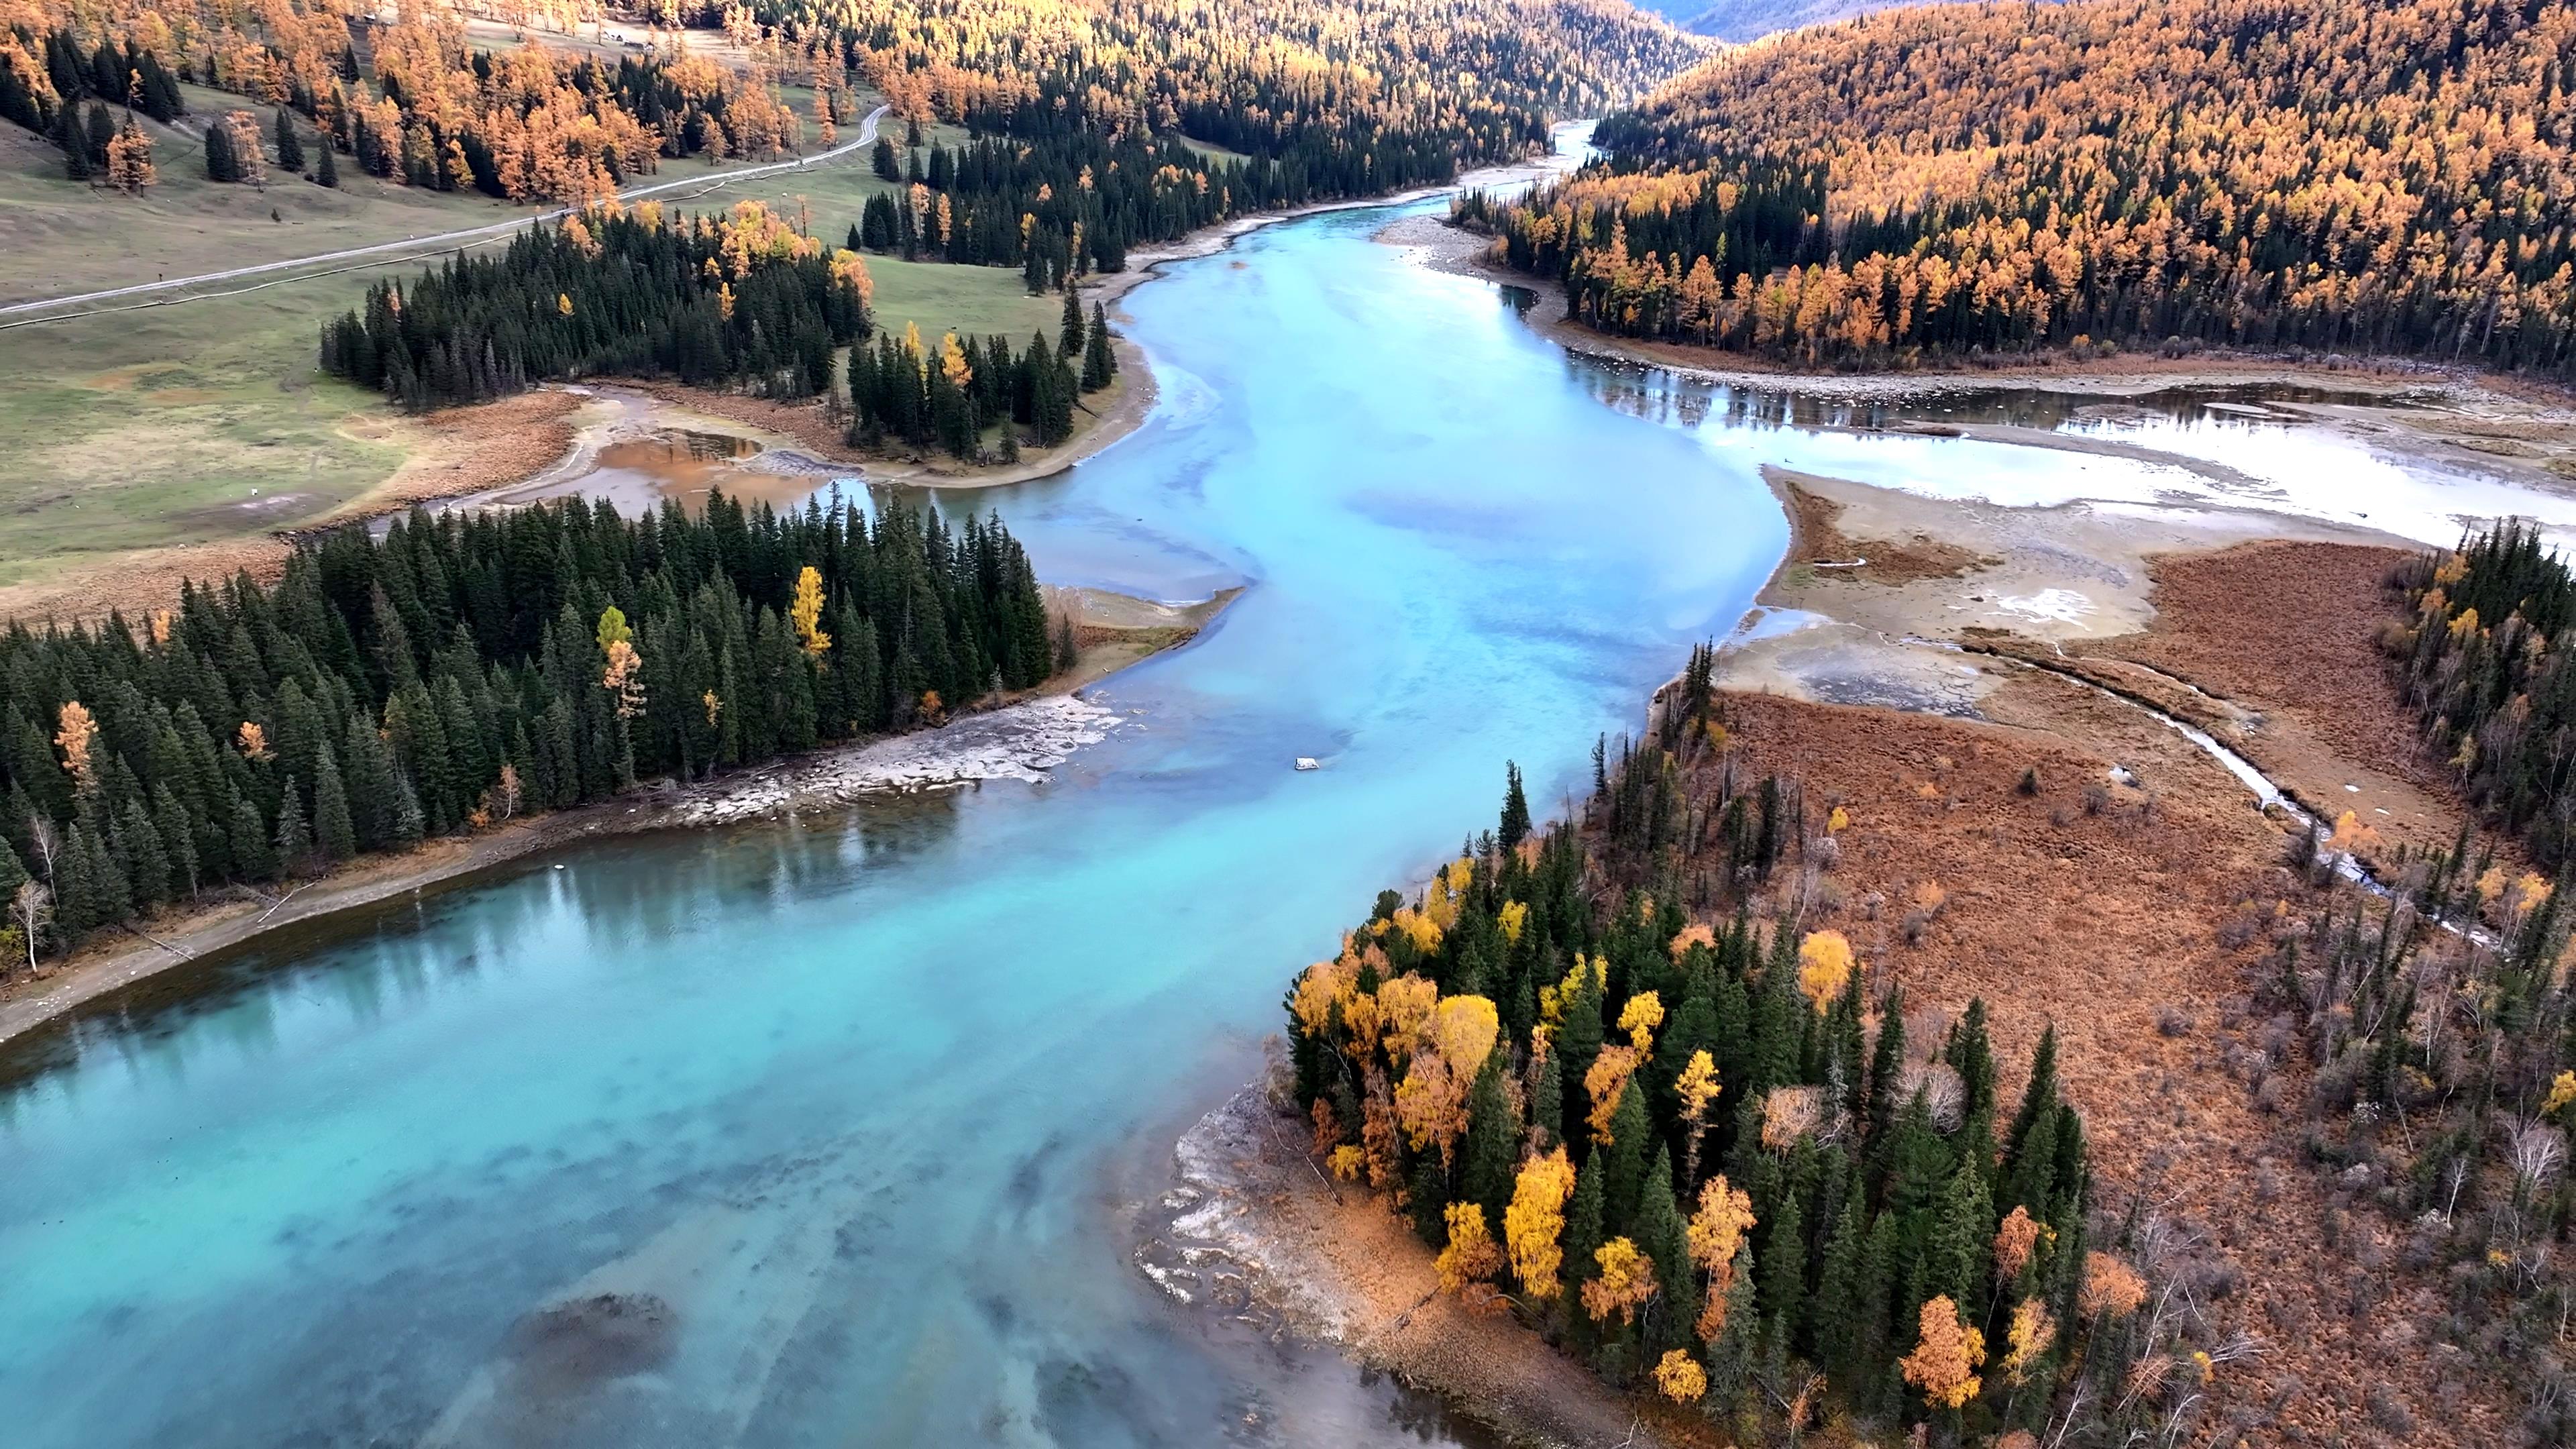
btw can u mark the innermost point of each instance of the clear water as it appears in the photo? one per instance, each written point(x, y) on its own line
point(862, 1100)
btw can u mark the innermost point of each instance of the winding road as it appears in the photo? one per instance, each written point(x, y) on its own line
point(442, 240)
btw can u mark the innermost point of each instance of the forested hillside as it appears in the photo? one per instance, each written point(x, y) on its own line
point(402, 93)
point(2325, 174)
point(1615, 1075)
point(462, 670)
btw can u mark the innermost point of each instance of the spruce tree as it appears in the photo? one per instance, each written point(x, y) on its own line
point(1625, 1170)
point(74, 143)
point(1492, 1154)
point(1733, 1353)
point(146, 863)
point(333, 831)
point(1547, 1106)
point(1660, 1234)
point(294, 838)
point(1784, 1263)
point(1099, 359)
point(290, 150)
point(328, 172)
point(1516, 812)
point(222, 164)
point(1069, 332)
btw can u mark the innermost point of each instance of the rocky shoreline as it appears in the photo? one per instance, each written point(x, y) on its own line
point(1251, 1229)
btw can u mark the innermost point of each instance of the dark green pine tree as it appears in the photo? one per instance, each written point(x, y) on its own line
point(1784, 1267)
point(1737, 1347)
point(253, 853)
point(294, 838)
point(1887, 1065)
point(290, 150)
point(1099, 359)
point(1547, 1106)
point(2038, 1098)
point(146, 863)
point(1839, 1290)
point(334, 833)
point(327, 173)
point(178, 838)
point(74, 143)
point(1069, 332)
point(1625, 1168)
point(1493, 1148)
point(223, 163)
point(1962, 1239)
point(1660, 1234)
point(1584, 1233)
point(1516, 811)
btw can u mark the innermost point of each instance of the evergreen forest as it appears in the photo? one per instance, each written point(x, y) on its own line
point(738, 299)
point(467, 668)
point(1679, 1135)
point(1954, 181)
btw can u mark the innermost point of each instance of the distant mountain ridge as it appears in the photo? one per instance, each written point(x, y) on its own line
point(1742, 20)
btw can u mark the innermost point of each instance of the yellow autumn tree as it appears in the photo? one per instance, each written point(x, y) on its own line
point(1824, 967)
point(1679, 1377)
point(1946, 1357)
point(1625, 1282)
point(2028, 1337)
point(1471, 1257)
point(1604, 1080)
point(805, 611)
point(76, 730)
point(622, 669)
point(1640, 1018)
point(1453, 1042)
point(1535, 1220)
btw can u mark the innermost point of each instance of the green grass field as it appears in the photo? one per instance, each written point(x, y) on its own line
point(205, 421)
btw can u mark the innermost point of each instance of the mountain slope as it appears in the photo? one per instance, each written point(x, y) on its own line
point(2327, 174)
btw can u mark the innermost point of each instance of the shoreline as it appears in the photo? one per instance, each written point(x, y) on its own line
point(1249, 1218)
point(1022, 738)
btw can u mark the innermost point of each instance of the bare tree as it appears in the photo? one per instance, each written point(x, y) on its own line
point(42, 839)
point(31, 909)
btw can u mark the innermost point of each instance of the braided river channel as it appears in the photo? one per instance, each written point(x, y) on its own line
point(858, 1102)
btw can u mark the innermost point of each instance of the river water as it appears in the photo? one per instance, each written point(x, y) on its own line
point(849, 1110)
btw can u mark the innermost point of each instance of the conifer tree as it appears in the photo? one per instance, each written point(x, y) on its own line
point(333, 831)
point(221, 163)
point(1069, 332)
point(1099, 359)
point(294, 838)
point(328, 172)
point(290, 150)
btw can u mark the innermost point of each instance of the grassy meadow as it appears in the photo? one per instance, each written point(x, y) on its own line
point(205, 421)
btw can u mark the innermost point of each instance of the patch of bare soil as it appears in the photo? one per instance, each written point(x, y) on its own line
point(1877, 561)
point(813, 429)
point(2102, 906)
point(468, 450)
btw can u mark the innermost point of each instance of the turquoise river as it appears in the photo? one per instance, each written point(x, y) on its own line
point(864, 1097)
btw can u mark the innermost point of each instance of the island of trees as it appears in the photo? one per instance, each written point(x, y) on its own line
point(468, 668)
point(1950, 181)
point(1607, 1070)
point(742, 299)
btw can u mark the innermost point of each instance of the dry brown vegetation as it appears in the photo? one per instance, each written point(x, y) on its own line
point(2123, 913)
point(2100, 907)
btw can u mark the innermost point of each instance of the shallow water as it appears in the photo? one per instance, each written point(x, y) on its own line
point(855, 1105)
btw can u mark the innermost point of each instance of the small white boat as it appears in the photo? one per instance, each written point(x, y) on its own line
point(1307, 762)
